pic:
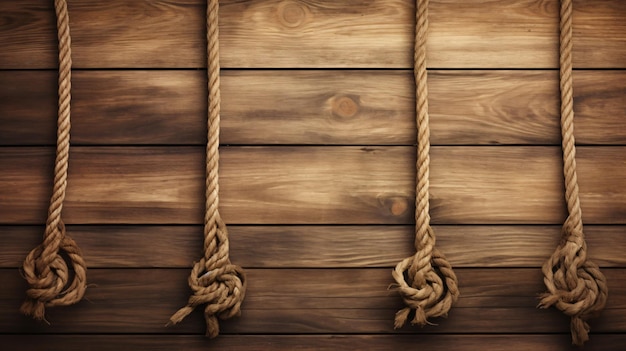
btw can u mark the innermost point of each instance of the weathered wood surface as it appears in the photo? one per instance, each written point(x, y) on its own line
point(317, 167)
point(305, 301)
point(271, 33)
point(119, 246)
point(312, 107)
point(313, 185)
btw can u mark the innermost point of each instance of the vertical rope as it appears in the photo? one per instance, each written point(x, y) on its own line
point(575, 284)
point(214, 280)
point(425, 281)
point(47, 266)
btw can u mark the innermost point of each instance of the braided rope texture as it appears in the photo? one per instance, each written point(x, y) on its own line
point(214, 280)
point(425, 281)
point(575, 284)
point(47, 266)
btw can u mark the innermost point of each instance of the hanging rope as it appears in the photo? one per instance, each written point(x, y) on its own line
point(575, 284)
point(214, 280)
point(47, 267)
point(425, 281)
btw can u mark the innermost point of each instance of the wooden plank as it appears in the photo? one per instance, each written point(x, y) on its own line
point(312, 107)
point(28, 107)
point(313, 185)
point(28, 35)
point(608, 22)
point(304, 301)
point(319, 33)
point(108, 107)
point(316, 246)
point(112, 34)
point(445, 342)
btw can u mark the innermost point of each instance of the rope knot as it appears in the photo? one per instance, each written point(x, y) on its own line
point(427, 287)
point(221, 289)
point(55, 269)
point(214, 280)
point(575, 285)
point(47, 271)
point(425, 281)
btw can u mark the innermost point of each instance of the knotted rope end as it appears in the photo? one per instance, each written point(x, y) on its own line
point(179, 316)
point(580, 331)
point(429, 293)
point(212, 326)
point(401, 317)
point(578, 303)
point(420, 318)
point(55, 285)
point(35, 309)
point(546, 300)
point(221, 289)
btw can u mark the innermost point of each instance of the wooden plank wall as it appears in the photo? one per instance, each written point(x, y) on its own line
point(317, 167)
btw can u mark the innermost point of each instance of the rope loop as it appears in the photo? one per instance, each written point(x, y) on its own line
point(214, 280)
point(425, 281)
point(55, 269)
point(575, 284)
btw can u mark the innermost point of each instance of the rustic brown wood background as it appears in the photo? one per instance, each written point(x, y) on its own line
point(317, 167)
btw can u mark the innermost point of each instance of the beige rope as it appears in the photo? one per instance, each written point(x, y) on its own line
point(575, 284)
point(214, 280)
point(425, 281)
point(46, 268)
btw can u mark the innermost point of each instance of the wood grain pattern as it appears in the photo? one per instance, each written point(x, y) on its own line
point(312, 107)
point(317, 33)
point(520, 342)
point(123, 246)
point(305, 301)
point(317, 167)
point(313, 185)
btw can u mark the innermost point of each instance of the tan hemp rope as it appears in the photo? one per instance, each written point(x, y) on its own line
point(575, 284)
point(425, 280)
point(46, 269)
point(215, 282)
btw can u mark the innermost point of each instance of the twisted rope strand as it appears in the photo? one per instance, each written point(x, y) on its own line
point(214, 280)
point(575, 284)
point(425, 281)
point(47, 267)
